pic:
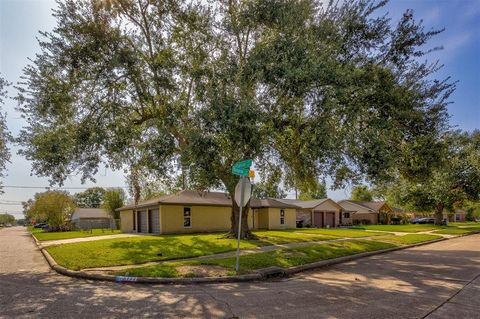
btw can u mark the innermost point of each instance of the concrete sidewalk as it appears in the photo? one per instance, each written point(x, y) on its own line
point(85, 239)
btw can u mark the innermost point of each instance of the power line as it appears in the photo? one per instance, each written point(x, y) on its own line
point(53, 187)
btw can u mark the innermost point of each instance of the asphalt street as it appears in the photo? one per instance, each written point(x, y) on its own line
point(440, 280)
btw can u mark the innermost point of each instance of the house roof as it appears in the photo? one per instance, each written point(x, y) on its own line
point(308, 204)
point(89, 213)
point(303, 203)
point(186, 197)
point(373, 206)
point(270, 202)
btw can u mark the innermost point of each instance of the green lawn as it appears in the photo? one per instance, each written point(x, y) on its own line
point(408, 239)
point(458, 231)
point(281, 258)
point(277, 237)
point(409, 228)
point(43, 236)
point(337, 232)
point(465, 224)
point(127, 251)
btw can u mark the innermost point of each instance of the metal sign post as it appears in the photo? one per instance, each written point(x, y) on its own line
point(242, 196)
point(242, 188)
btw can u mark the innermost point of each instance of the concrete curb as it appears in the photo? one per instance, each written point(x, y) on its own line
point(260, 274)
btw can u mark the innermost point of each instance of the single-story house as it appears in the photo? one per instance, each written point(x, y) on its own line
point(194, 211)
point(88, 218)
point(316, 213)
point(361, 212)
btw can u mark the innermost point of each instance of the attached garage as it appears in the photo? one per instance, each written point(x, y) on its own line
point(318, 219)
point(330, 219)
point(155, 221)
point(143, 221)
point(318, 213)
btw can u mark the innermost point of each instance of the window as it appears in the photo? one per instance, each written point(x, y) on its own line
point(187, 217)
point(346, 215)
point(134, 220)
point(457, 217)
point(282, 217)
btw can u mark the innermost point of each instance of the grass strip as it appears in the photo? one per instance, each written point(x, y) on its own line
point(346, 233)
point(248, 263)
point(458, 231)
point(408, 239)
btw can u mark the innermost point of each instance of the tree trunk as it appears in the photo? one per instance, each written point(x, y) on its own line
point(245, 232)
point(439, 215)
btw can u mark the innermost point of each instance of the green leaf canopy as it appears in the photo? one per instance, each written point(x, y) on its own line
point(194, 86)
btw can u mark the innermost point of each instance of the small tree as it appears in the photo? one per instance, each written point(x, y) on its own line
point(269, 185)
point(362, 193)
point(90, 198)
point(7, 219)
point(54, 207)
point(113, 199)
point(315, 190)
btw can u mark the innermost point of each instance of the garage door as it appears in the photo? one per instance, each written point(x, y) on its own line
point(155, 221)
point(330, 219)
point(143, 222)
point(318, 219)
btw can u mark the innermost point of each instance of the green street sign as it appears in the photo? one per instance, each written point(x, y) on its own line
point(242, 168)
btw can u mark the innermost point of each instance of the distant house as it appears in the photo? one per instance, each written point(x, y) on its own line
point(195, 211)
point(458, 215)
point(88, 218)
point(367, 212)
point(316, 213)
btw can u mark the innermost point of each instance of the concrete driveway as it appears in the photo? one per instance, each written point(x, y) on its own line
point(439, 280)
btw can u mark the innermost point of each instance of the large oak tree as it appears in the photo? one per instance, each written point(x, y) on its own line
point(194, 86)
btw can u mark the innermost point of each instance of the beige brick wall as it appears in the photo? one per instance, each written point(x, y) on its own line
point(203, 219)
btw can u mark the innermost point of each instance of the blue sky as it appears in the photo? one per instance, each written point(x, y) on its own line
point(20, 21)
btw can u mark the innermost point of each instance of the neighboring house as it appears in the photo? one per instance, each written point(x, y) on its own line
point(316, 213)
point(367, 212)
point(193, 212)
point(458, 215)
point(88, 218)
